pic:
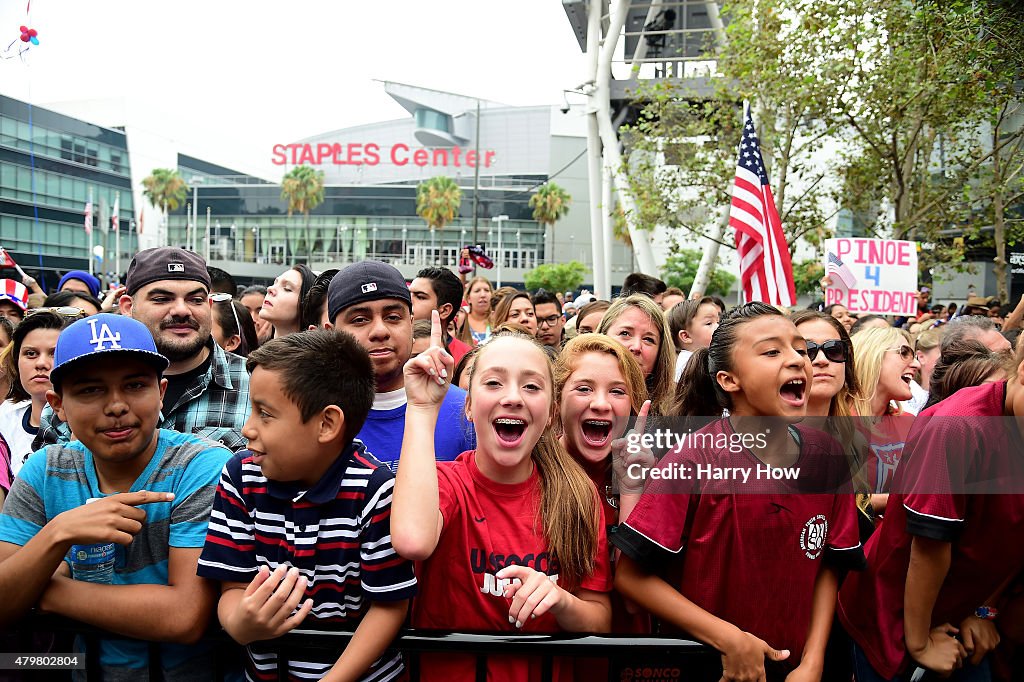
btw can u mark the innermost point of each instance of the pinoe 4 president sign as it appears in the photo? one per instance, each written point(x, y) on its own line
point(877, 276)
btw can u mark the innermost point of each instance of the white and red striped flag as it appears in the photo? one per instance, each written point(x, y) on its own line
point(766, 272)
point(88, 217)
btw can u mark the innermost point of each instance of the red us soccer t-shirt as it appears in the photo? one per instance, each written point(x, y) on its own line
point(754, 549)
point(487, 526)
point(958, 446)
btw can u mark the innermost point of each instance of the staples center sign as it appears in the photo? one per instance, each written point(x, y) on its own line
point(371, 154)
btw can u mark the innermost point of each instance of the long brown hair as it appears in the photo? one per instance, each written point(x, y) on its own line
point(465, 332)
point(569, 509)
point(843, 400)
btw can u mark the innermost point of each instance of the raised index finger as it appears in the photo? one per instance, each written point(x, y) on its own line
point(641, 416)
point(143, 497)
point(435, 329)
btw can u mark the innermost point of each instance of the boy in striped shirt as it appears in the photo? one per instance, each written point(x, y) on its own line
point(301, 520)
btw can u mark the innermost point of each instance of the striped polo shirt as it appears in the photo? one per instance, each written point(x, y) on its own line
point(337, 534)
point(63, 477)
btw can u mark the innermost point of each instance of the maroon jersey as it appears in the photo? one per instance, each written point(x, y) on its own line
point(488, 526)
point(955, 446)
point(753, 549)
point(885, 439)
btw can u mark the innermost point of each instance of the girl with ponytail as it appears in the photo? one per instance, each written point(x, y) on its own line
point(761, 552)
point(511, 535)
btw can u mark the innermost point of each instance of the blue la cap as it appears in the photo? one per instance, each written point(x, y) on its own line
point(100, 335)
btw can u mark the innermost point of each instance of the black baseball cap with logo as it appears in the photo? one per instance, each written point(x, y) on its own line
point(162, 263)
point(370, 280)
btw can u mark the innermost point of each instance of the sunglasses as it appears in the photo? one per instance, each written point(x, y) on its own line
point(906, 352)
point(834, 350)
point(64, 311)
point(222, 298)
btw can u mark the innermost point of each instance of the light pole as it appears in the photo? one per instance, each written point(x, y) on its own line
point(373, 251)
point(194, 181)
point(256, 232)
point(499, 219)
point(405, 238)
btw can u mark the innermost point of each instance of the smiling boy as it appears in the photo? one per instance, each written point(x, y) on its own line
point(107, 385)
point(301, 520)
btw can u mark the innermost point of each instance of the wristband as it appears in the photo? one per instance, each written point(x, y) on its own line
point(986, 613)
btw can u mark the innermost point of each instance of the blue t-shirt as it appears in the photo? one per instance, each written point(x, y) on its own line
point(382, 433)
point(62, 477)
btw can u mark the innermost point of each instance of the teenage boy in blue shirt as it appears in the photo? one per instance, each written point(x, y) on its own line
point(301, 520)
point(155, 490)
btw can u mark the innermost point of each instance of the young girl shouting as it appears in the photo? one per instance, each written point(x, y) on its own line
point(759, 569)
point(511, 536)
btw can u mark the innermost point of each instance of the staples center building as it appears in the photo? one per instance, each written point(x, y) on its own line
point(371, 173)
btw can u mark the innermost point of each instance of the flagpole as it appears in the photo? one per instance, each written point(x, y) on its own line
point(117, 236)
point(207, 249)
point(88, 228)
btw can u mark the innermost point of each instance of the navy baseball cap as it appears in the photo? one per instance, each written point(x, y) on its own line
point(100, 336)
point(370, 280)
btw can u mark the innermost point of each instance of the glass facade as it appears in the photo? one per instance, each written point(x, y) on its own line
point(50, 166)
point(251, 224)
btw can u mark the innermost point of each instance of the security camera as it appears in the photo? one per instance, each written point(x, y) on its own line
point(564, 108)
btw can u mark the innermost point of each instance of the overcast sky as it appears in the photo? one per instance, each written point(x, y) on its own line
point(228, 79)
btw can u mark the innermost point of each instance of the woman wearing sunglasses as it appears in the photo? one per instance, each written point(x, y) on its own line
point(885, 365)
point(830, 351)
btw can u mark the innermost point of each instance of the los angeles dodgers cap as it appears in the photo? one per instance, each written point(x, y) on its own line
point(370, 280)
point(100, 336)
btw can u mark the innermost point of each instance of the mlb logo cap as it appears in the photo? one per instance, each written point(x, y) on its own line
point(100, 336)
point(162, 263)
point(370, 280)
point(15, 292)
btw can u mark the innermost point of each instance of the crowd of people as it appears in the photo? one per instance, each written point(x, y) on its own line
point(349, 450)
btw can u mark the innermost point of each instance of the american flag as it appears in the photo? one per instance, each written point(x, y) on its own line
point(88, 217)
point(838, 268)
point(766, 272)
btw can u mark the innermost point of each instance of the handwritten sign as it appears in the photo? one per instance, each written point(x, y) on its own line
point(876, 276)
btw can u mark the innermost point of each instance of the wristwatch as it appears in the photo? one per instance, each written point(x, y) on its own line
point(986, 613)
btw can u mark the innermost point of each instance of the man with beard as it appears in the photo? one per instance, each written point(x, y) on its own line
point(168, 290)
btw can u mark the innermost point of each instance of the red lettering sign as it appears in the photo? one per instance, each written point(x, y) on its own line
point(368, 154)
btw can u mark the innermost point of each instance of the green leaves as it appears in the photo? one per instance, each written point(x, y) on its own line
point(550, 203)
point(556, 276)
point(165, 187)
point(303, 187)
point(437, 201)
point(681, 269)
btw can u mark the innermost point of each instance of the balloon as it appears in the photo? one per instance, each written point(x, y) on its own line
point(35, 41)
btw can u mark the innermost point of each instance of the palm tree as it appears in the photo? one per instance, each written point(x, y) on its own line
point(165, 189)
point(437, 202)
point(550, 203)
point(303, 187)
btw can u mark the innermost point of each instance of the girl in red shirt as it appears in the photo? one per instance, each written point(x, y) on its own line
point(760, 555)
point(510, 536)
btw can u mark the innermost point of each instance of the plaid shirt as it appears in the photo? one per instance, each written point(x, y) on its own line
point(214, 407)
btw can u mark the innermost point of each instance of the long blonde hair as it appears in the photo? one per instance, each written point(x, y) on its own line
point(569, 509)
point(662, 380)
point(869, 348)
